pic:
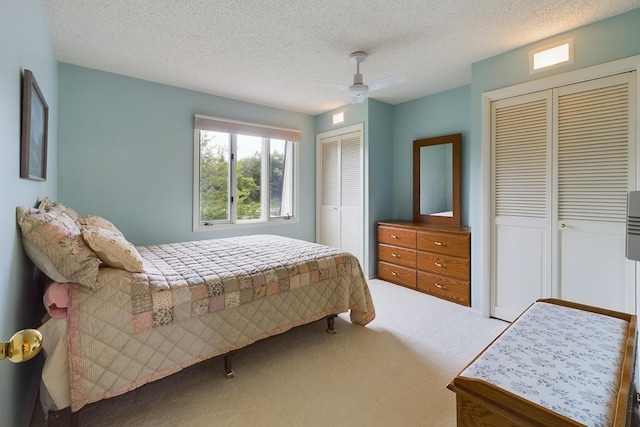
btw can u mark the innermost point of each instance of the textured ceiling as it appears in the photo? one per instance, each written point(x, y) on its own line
point(269, 51)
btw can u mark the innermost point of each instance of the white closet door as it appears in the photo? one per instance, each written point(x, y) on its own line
point(563, 161)
point(341, 217)
point(330, 198)
point(593, 143)
point(351, 195)
point(521, 151)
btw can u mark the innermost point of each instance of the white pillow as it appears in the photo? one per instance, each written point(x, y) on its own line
point(43, 262)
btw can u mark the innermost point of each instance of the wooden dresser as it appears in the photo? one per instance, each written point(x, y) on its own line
point(431, 258)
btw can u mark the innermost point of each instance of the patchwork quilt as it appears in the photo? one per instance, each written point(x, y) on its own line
point(198, 300)
point(191, 279)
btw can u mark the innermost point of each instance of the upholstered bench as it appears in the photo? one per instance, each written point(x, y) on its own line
point(558, 364)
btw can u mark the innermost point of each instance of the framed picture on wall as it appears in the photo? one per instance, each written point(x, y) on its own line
point(35, 122)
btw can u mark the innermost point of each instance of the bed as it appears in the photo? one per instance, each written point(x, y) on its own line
point(138, 314)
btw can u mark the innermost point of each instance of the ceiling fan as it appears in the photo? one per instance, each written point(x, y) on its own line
point(358, 90)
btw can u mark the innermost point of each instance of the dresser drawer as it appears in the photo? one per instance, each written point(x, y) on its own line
point(396, 255)
point(397, 237)
point(444, 265)
point(444, 287)
point(444, 243)
point(396, 274)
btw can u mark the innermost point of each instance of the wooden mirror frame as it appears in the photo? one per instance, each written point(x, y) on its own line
point(456, 141)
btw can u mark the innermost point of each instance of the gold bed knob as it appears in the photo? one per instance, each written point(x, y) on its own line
point(22, 346)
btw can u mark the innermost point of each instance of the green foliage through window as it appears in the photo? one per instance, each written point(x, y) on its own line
point(259, 181)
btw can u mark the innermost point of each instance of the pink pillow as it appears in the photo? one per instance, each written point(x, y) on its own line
point(56, 300)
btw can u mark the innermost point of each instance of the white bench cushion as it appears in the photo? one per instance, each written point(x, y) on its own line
point(564, 359)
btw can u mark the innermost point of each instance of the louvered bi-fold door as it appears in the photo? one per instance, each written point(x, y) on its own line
point(563, 160)
point(521, 149)
point(341, 222)
point(330, 197)
point(595, 169)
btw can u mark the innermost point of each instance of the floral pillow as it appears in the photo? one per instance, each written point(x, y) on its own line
point(54, 243)
point(97, 221)
point(47, 206)
point(113, 249)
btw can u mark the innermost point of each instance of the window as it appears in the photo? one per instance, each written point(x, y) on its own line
point(243, 173)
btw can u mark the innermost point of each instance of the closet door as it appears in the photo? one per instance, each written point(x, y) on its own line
point(341, 217)
point(351, 218)
point(563, 161)
point(329, 227)
point(593, 166)
point(521, 240)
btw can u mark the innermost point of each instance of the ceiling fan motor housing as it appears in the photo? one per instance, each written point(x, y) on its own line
point(358, 93)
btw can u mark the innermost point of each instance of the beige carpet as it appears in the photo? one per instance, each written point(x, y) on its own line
point(393, 372)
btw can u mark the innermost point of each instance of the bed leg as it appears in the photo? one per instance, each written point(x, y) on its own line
point(330, 321)
point(227, 366)
point(62, 418)
point(75, 419)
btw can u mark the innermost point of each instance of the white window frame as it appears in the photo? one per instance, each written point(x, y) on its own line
point(235, 128)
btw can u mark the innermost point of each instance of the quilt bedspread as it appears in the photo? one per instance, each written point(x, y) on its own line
point(191, 279)
point(109, 354)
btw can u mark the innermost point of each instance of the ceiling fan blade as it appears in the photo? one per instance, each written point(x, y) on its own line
point(386, 82)
point(330, 85)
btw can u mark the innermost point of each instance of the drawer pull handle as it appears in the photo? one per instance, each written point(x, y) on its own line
point(438, 264)
point(438, 285)
point(393, 236)
point(443, 244)
point(393, 273)
point(395, 255)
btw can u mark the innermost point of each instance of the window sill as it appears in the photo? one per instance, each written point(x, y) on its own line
point(241, 225)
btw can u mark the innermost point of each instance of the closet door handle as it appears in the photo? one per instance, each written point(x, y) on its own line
point(439, 264)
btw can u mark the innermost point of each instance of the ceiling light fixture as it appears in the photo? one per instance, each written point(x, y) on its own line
point(551, 56)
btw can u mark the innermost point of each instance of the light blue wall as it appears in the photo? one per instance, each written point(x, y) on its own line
point(126, 153)
point(25, 43)
point(444, 113)
point(379, 184)
point(378, 150)
point(601, 42)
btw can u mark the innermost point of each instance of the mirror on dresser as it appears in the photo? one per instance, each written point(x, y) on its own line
point(436, 179)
